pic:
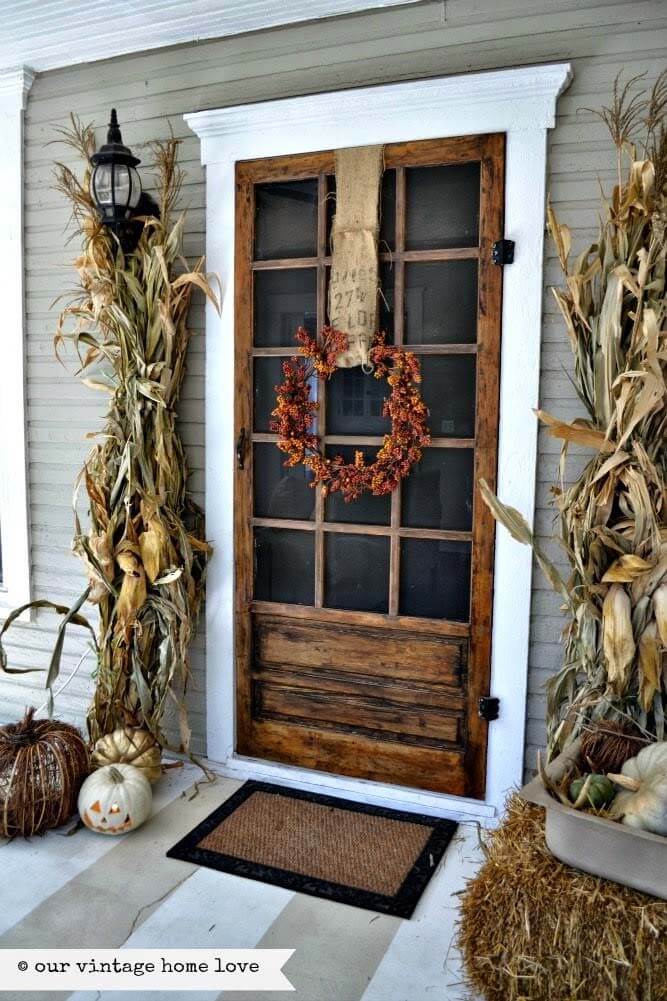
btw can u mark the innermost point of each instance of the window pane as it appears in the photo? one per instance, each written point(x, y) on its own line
point(284, 300)
point(330, 208)
point(438, 492)
point(284, 565)
point(448, 388)
point(281, 491)
point(356, 572)
point(435, 579)
point(365, 510)
point(286, 220)
point(442, 206)
point(441, 302)
point(354, 403)
point(388, 211)
point(386, 302)
point(267, 374)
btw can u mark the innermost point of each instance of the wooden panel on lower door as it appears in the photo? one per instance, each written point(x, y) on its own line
point(391, 652)
point(356, 754)
point(384, 718)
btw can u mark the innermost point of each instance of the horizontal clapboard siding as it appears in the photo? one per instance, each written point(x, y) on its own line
point(152, 91)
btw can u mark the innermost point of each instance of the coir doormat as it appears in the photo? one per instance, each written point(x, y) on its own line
point(368, 856)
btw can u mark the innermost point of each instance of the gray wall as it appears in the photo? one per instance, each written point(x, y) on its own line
point(154, 89)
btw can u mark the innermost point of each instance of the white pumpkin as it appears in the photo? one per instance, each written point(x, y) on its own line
point(115, 799)
point(643, 801)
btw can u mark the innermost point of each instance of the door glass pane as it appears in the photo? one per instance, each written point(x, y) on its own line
point(330, 208)
point(286, 220)
point(284, 565)
point(356, 572)
point(267, 374)
point(386, 302)
point(388, 212)
point(365, 510)
point(281, 491)
point(284, 300)
point(448, 389)
point(435, 579)
point(438, 492)
point(354, 403)
point(441, 302)
point(442, 206)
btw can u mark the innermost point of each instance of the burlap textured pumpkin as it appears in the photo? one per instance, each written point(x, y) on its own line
point(130, 747)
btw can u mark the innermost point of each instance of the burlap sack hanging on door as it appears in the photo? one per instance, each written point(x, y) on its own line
point(353, 287)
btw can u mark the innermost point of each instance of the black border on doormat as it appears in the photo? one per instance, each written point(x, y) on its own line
point(401, 905)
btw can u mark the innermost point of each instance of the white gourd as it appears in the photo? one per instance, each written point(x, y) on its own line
point(115, 799)
point(643, 801)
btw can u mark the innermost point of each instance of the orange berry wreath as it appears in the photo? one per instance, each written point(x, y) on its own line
point(295, 411)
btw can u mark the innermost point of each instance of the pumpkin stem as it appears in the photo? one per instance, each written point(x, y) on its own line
point(115, 775)
point(625, 781)
point(23, 733)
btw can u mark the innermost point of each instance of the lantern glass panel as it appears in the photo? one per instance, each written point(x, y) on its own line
point(109, 179)
point(130, 199)
point(101, 184)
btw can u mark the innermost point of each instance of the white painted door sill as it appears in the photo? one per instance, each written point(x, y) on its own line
point(378, 793)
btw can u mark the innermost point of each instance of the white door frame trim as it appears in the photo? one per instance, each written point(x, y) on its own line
point(520, 102)
point(14, 513)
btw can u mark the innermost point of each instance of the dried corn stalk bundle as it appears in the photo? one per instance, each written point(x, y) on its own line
point(613, 522)
point(144, 550)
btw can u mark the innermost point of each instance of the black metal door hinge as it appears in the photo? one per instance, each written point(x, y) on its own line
point(489, 708)
point(503, 252)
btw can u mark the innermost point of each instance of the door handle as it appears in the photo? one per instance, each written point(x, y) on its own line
point(240, 449)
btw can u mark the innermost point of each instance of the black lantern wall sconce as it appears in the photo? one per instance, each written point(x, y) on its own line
point(115, 187)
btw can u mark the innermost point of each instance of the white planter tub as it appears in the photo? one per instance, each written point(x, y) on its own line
point(602, 847)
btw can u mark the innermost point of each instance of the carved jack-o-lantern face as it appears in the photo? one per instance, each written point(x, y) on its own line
point(115, 799)
point(111, 822)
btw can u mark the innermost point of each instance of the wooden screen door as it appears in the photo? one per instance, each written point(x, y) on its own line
point(363, 630)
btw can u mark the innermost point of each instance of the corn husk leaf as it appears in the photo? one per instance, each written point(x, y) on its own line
point(519, 529)
point(618, 642)
point(660, 612)
point(576, 432)
point(650, 665)
point(626, 569)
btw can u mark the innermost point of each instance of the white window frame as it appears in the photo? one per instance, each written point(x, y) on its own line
point(521, 103)
point(14, 513)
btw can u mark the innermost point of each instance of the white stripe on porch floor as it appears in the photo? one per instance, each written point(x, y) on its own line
point(418, 944)
point(93, 890)
point(209, 910)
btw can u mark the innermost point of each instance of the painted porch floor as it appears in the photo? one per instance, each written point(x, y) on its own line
point(87, 890)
